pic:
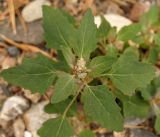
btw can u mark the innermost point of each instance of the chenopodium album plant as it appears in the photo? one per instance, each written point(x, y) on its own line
point(110, 73)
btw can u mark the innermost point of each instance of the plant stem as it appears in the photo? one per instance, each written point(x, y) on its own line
point(72, 101)
point(155, 108)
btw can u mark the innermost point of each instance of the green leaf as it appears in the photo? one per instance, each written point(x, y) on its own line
point(100, 105)
point(147, 92)
point(112, 34)
point(153, 55)
point(104, 28)
point(65, 86)
point(139, 39)
point(60, 107)
point(130, 108)
point(157, 40)
point(58, 30)
point(62, 64)
point(131, 53)
point(128, 32)
point(133, 106)
point(157, 82)
point(112, 51)
point(100, 64)
point(157, 124)
point(87, 41)
point(69, 56)
point(58, 127)
point(127, 74)
point(86, 133)
point(70, 18)
point(35, 74)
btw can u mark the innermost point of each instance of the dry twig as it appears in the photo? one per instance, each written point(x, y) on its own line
point(135, 126)
point(11, 10)
point(25, 47)
point(22, 21)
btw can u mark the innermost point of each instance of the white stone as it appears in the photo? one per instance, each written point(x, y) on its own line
point(35, 117)
point(134, 121)
point(34, 98)
point(13, 107)
point(33, 11)
point(18, 127)
point(114, 19)
point(27, 134)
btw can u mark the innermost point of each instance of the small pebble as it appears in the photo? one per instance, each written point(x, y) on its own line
point(4, 90)
point(34, 98)
point(27, 134)
point(13, 107)
point(138, 10)
point(141, 133)
point(13, 51)
point(114, 19)
point(8, 62)
point(134, 121)
point(33, 36)
point(18, 127)
point(35, 117)
point(33, 11)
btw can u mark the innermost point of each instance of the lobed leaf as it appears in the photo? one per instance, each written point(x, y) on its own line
point(128, 32)
point(86, 133)
point(69, 56)
point(133, 103)
point(35, 74)
point(127, 74)
point(100, 64)
point(59, 32)
point(150, 90)
point(112, 51)
point(70, 18)
point(87, 41)
point(65, 86)
point(63, 64)
point(58, 127)
point(153, 55)
point(131, 53)
point(104, 28)
point(100, 105)
point(60, 107)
